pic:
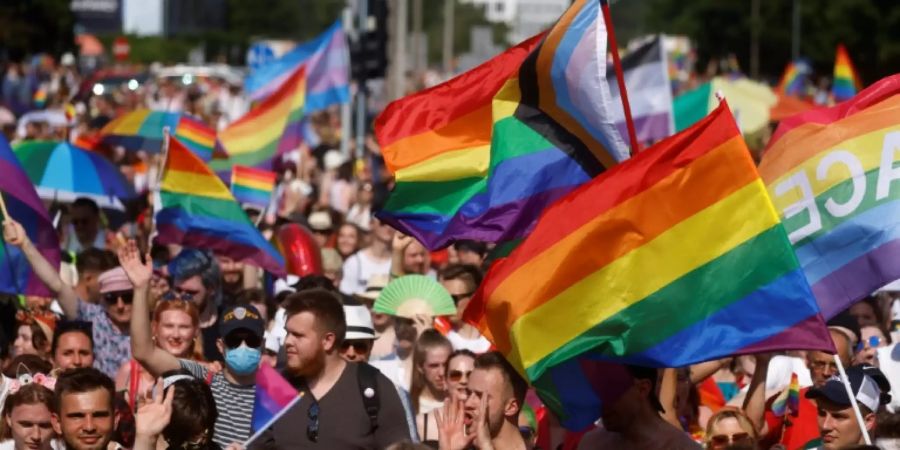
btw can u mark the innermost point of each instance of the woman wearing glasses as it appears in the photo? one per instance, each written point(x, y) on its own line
point(460, 364)
point(872, 338)
point(730, 429)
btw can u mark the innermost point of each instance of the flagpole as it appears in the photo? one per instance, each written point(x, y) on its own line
point(853, 402)
point(3, 207)
point(164, 156)
point(274, 419)
point(620, 76)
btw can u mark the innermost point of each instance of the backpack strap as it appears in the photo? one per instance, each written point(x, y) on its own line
point(368, 389)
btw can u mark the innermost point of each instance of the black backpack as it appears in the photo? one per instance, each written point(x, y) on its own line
point(367, 376)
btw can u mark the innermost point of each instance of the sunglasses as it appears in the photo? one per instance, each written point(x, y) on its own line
point(312, 429)
point(873, 341)
point(456, 375)
point(526, 432)
point(234, 340)
point(173, 296)
point(358, 346)
point(460, 297)
point(721, 440)
point(113, 297)
point(186, 293)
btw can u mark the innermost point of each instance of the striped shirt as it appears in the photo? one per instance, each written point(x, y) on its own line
point(234, 402)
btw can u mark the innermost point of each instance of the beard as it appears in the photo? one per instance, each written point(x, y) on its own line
point(305, 365)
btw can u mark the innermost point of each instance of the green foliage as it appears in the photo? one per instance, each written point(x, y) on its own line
point(465, 16)
point(34, 26)
point(870, 29)
point(282, 19)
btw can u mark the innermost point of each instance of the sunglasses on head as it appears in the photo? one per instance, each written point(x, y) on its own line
point(873, 341)
point(456, 375)
point(234, 340)
point(721, 440)
point(113, 297)
point(358, 346)
point(312, 429)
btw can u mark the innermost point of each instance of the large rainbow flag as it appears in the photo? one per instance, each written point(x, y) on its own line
point(269, 130)
point(194, 208)
point(142, 129)
point(480, 156)
point(831, 173)
point(612, 272)
point(327, 62)
point(846, 81)
point(24, 205)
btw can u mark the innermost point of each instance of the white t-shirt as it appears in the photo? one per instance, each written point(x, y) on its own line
point(889, 363)
point(358, 269)
point(478, 345)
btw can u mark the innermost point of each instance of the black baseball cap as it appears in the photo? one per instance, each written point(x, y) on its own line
point(241, 317)
point(870, 387)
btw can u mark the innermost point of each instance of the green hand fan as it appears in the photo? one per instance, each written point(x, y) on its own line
point(413, 295)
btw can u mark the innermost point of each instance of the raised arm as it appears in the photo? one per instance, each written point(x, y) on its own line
point(15, 235)
point(755, 402)
point(156, 360)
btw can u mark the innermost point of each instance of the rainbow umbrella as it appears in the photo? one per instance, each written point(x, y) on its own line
point(62, 172)
point(142, 129)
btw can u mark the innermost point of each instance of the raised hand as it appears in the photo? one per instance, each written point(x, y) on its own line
point(154, 415)
point(14, 233)
point(401, 241)
point(138, 272)
point(482, 428)
point(451, 425)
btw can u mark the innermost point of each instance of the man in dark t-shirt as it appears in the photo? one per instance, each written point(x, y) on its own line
point(337, 410)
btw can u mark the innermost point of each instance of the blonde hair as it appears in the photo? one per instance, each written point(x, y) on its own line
point(187, 307)
point(731, 413)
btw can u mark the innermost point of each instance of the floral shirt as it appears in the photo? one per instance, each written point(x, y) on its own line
point(112, 348)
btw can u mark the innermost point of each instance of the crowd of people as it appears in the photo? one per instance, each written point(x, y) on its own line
point(146, 346)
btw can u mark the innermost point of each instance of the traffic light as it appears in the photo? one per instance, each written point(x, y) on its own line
point(368, 54)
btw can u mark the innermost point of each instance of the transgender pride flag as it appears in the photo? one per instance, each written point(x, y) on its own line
point(327, 61)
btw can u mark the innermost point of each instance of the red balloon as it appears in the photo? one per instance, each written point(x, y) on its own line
point(300, 251)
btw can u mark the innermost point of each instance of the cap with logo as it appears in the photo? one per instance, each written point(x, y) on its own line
point(241, 317)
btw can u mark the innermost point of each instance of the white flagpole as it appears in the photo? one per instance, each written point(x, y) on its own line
point(271, 421)
point(853, 401)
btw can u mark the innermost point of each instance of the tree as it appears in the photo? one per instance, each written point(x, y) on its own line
point(34, 26)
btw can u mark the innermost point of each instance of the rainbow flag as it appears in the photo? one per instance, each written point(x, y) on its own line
point(830, 172)
point(24, 205)
point(142, 129)
point(611, 272)
point(252, 186)
point(788, 401)
point(273, 395)
point(327, 62)
point(269, 130)
point(480, 156)
point(846, 81)
point(39, 98)
point(194, 208)
point(794, 80)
